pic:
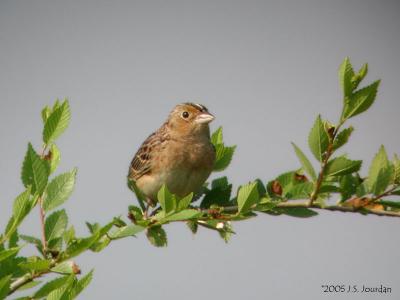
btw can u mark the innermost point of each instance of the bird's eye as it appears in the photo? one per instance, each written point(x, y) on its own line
point(185, 114)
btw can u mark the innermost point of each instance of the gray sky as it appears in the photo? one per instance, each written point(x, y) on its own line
point(265, 69)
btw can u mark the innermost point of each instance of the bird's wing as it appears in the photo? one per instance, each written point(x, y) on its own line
point(141, 162)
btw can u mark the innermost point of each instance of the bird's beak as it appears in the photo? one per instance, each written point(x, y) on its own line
point(204, 118)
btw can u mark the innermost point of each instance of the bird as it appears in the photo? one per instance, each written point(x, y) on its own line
point(179, 154)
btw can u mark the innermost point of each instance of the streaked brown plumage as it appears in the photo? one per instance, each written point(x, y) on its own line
point(179, 154)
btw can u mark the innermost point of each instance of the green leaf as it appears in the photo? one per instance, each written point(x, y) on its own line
point(35, 171)
point(83, 283)
point(183, 215)
point(307, 166)
point(380, 173)
point(46, 111)
point(184, 202)
point(326, 188)
point(298, 212)
point(396, 170)
point(4, 286)
point(217, 137)
point(247, 197)
point(56, 224)
point(66, 267)
point(388, 203)
point(348, 186)
point(299, 191)
point(223, 157)
point(227, 232)
point(138, 193)
point(341, 166)
point(21, 207)
point(69, 235)
point(360, 101)
point(4, 254)
point(357, 78)
point(36, 265)
point(63, 292)
point(219, 194)
point(51, 286)
point(81, 245)
point(59, 190)
point(32, 240)
point(193, 226)
point(346, 73)
point(166, 199)
point(318, 139)
point(55, 157)
point(56, 123)
point(29, 285)
point(129, 230)
point(157, 236)
point(342, 138)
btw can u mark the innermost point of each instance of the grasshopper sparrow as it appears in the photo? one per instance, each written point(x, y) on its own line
point(179, 154)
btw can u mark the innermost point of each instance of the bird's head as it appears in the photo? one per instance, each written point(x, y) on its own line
point(190, 118)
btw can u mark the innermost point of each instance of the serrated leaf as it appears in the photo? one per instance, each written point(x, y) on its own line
point(227, 232)
point(219, 194)
point(59, 190)
point(299, 191)
point(380, 173)
point(46, 111)
point(396, 170)
point(166, 199)
point(129, 230)
point(69, 235)
point(66, 267)
point(31, 239)
point(157, 236)
point(217, 137)
point(81, 245)
point(326, 188)
point(193, 226)
point(56, 123)
point(357, 78)
point(340, 166)
point(387, 203)
point(83, 283)
point(183, 215)
point(184, 202)
point(138, 193)
point(247, 197)
point(360, 101)
point(38, 265)
point(342, 138)
point(22, 206)
point(35, 171)
point(346, 73)
point(55, 157)
point(56, 224)
point(318, 139)
point(348, 187)
point(307, 166)
point(29, 285)
point(4, 254)
point(4, 286)
point(298, 212)
point(63, 292)
point(51, 286)
point(223, 157)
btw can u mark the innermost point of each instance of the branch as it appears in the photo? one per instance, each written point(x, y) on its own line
point(305, 204)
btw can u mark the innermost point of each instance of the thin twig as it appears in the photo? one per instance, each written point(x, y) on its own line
point(324, 164)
